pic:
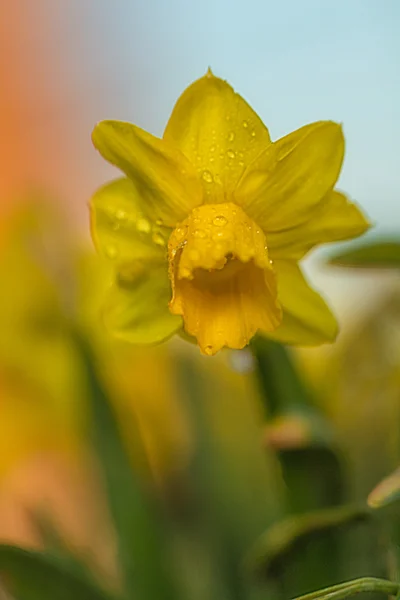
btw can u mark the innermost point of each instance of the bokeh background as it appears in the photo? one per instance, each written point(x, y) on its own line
point(63, 67)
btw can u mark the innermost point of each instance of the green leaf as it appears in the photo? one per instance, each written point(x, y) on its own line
point(236, 486)
point(54, 543)
point(384, 499)
point(381, 254)
point(386, 492)
point(38, 576)
point(143, 553)
point(291, 535)
point(302, 437)
point(354, 587)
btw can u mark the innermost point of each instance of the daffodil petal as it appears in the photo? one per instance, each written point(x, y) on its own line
point(334, 219)
point(307, 320)
point(137, 307)
point(218, 132)
point(282, 187)
point(162, 176)
point(120, 230)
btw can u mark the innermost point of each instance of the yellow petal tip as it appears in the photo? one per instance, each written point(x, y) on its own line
point(209, 73)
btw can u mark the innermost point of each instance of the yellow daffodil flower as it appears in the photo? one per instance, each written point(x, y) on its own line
point(207, 230)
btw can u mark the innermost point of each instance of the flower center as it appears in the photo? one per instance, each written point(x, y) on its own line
point(219, 268)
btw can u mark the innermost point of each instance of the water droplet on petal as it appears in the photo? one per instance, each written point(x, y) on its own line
point(253, 133)
point(230, 154)
point(159, 222)
point(121, 215)
point(199, 233)
point(185, 272)
point(207, 176)
point(222, 234)
point(231, 136)
point(143, 225)
point(111, 252)
point(220, 220)
point(245, 124)
point(158, 238)
point(208, 350)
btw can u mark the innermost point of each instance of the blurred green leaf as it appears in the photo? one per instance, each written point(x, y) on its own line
point(143, 554)
point(384, 498)
point(291, 535)
point(386, 492)
point(302, 438)
point(297, 430)
point(236, 486)
point(351, 588)
point(380, 254)
point(33, 575)
point(57, 546)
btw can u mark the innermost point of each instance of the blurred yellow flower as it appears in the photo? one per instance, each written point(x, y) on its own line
point(207, 230)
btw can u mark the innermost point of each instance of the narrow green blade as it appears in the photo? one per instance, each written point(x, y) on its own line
point(33, 575)
point(143, 554)
point(381, 254)
point(278, 544)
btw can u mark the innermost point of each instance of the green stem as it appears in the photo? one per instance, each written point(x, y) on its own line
point(351, 588)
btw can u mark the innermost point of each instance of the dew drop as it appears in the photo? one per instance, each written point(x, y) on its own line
point(158, 239)
point(159, 222)
point(207, 176)
point(212, 148)
point(185, 272)
point(231, 136)
point(220, 220)
point(253, 134)
point(245, 124)
point(230, 154)
point(208, 350)
point(222, 234)
point(120, 215)
point(241, 163)
point(199, 233)
point(111, 252)
point(143, 226)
